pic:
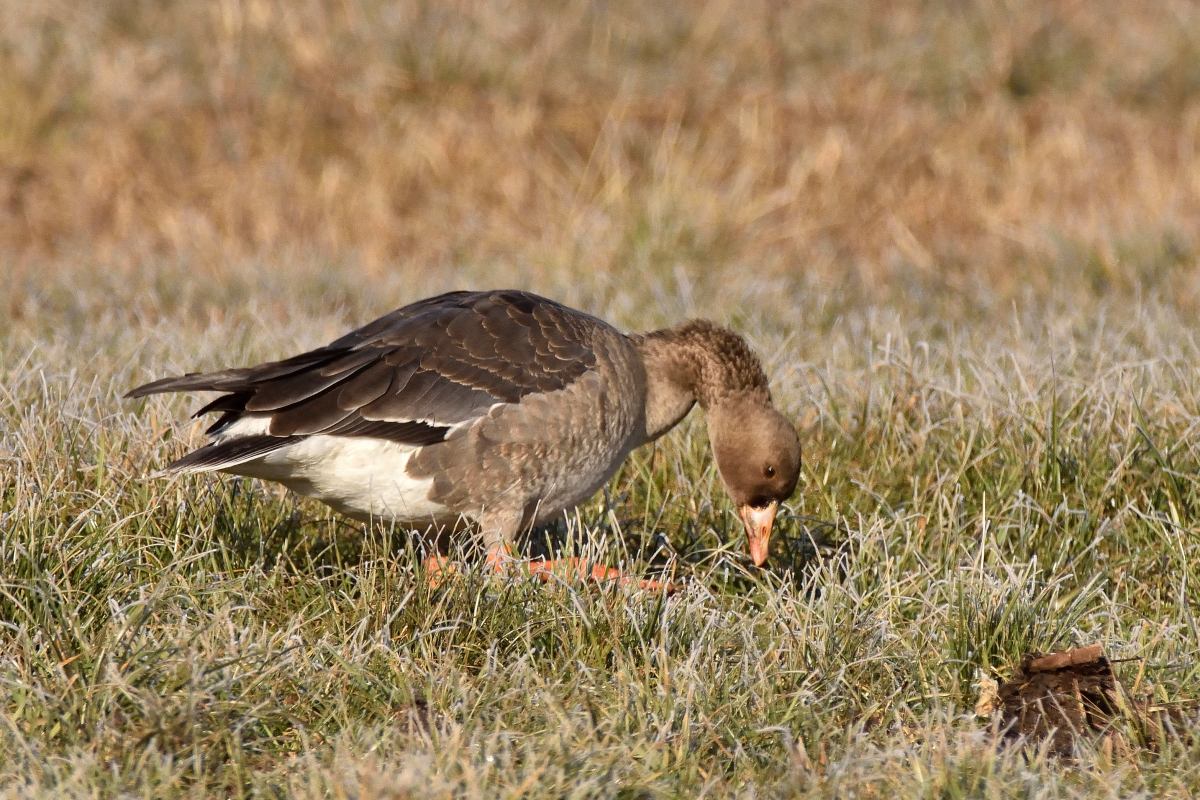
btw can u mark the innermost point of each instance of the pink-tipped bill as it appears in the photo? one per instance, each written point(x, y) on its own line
point(758, 522)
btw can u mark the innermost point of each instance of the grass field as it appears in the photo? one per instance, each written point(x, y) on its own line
point(963, 236)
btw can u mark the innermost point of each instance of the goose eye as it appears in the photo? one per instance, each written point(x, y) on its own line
point(769, 471)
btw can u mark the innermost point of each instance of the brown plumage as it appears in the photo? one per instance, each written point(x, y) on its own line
point(501, 407)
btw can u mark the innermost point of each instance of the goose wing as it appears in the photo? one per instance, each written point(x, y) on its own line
point(410, 376)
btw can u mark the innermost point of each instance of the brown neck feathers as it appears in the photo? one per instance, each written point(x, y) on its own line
point(704, 360)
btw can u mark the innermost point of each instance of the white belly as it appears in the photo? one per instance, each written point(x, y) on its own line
point(357, 476)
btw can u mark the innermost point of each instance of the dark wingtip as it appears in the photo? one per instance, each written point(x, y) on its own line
point(193, 381)
point(153, 387)
point(230, 453)
point(140, 391)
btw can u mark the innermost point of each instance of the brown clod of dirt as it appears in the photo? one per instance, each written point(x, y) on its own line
point(1061, 697)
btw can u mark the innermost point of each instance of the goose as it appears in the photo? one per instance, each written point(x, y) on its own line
point(502, 408)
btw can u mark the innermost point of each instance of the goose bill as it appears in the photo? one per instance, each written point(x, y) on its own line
point(758, 522)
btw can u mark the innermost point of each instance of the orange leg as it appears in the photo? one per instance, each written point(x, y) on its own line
point(599, 573)
point(438, 568)
point(501, 561)
point(576, 567)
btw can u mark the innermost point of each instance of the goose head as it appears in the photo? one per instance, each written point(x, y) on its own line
point(758, 457)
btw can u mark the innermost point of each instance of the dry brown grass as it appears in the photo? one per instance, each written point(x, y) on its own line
point(957, 145)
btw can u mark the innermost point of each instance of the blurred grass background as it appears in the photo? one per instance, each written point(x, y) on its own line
point(992, 148)
point(963, 235)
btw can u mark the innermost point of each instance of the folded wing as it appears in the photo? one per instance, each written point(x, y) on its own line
point(410, 376)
